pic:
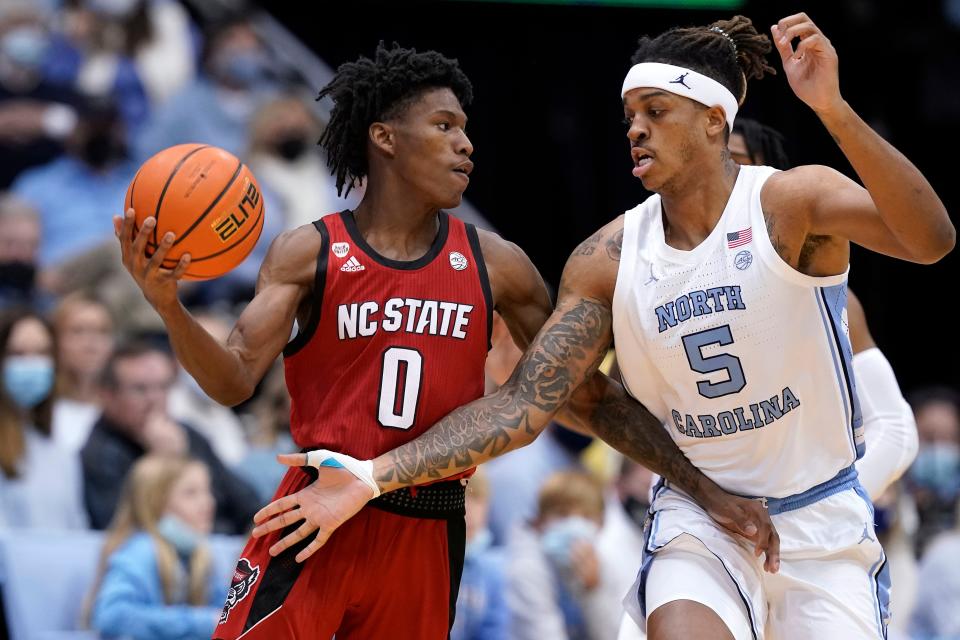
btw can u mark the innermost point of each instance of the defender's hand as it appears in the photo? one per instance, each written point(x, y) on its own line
point(159, 285)
point(812, 70)
point(750, 519)
point(332, 499)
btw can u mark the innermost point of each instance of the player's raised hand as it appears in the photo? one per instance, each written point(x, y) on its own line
point(749, 518)
point(159, 285)
point(332, 499)
point(812, 69)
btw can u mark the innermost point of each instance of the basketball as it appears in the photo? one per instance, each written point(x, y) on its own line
point(207, 198)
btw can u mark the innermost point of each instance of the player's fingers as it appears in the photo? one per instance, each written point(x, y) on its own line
point(313, 547)
point(803, 30)
point(789, 21)
point(783, 46)
point(182, 265)
point(292, 538)
point(140, 242)
point(156, 260)
point(293, 459)
point(281, 521)
point(772, 563)
point(813, 43)
point(277, 506)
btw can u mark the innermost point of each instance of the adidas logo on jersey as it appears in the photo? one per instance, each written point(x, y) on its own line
point(352, 265)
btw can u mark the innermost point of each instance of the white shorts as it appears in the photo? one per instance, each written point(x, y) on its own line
point(833, 580)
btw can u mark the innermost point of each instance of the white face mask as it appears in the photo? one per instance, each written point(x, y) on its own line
point(559, 536)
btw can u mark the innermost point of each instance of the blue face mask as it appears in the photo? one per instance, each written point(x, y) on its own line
point(248, 69)
point(937, 467)
point(25, 46)
point(182, 536)
point(560, 535)
point(28, 380)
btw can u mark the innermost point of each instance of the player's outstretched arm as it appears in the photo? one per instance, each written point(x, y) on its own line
point(601, 406)
point(228, 373)
point(565, 353)
point(898, 213)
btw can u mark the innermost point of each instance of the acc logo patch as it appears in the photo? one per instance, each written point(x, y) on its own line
point(340, 249)
point(743, 260)
point(458, 261)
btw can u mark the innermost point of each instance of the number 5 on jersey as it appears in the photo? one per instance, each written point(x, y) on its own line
point(400, 379)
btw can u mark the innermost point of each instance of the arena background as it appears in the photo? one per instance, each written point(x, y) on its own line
point(550, 152)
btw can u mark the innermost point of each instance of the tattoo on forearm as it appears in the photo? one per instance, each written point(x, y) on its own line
point(561, 359)
point(627, 426)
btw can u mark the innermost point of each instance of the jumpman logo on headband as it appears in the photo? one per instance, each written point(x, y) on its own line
point(680, 80)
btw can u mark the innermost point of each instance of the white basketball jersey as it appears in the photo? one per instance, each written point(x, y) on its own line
point(746, 361)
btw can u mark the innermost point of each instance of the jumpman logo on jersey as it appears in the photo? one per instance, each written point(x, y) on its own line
point(680, 80)
point(652, 278)
point(866, 533)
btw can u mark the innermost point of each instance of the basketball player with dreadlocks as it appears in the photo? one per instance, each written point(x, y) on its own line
point(393, 306)
point(725, 291)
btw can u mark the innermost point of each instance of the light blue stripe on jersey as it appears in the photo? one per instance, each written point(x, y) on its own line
point(832, 302)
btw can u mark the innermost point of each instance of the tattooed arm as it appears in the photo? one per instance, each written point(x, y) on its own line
point(565, 353)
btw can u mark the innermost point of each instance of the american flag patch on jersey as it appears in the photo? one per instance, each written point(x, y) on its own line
point(739, 238)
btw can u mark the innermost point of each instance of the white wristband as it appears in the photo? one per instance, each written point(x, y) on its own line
point(362, 469)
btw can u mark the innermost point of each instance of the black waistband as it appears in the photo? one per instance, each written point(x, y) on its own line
point(440, 501)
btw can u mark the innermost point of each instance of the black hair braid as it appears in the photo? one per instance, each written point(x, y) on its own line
point(729, 51)
point(367, 91)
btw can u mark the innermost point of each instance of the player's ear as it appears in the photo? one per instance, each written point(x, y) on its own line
point(383, 137)
point(716, 121)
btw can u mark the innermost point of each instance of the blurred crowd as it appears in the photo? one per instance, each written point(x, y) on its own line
point(100, 429)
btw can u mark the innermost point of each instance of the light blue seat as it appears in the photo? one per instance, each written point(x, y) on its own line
point(46, 575)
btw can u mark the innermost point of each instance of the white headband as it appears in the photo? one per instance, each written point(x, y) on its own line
point(682, 82)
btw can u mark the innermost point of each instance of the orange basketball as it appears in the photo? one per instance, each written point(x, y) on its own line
point(207, 198)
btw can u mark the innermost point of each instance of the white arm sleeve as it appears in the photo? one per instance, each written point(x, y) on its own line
point(889, 427)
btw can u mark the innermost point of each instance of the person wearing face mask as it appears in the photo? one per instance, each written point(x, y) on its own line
point(555, 580)
point(72, 192)
point(285, 158)
point(238, 76)
point(155, 579)
point(37, 114)
point(30, 495)
point(19, 249)
point(139, 51)
point(934, 477)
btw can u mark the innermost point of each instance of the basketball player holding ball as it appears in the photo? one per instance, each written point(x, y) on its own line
point(393, 305)
point(726, 292)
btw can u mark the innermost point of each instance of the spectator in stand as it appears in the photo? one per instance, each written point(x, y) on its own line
point(76, 193)
point(19, 253)
point(36, 115)
point(135, 387)
point(155, 579)
point(85, 335)
point(31, 494)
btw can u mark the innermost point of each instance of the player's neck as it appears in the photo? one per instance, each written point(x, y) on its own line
point(397, 228)
point(692, 209)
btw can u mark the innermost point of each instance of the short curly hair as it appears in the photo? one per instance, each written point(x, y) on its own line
point(368, 91)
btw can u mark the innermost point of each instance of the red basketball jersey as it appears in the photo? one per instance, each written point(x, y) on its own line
point(390, 347)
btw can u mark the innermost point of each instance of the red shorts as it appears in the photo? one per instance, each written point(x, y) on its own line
point(391, 572)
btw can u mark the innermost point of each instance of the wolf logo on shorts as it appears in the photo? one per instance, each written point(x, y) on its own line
point(244, 578)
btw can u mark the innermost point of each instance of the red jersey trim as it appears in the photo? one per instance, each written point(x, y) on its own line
point(316, 306)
